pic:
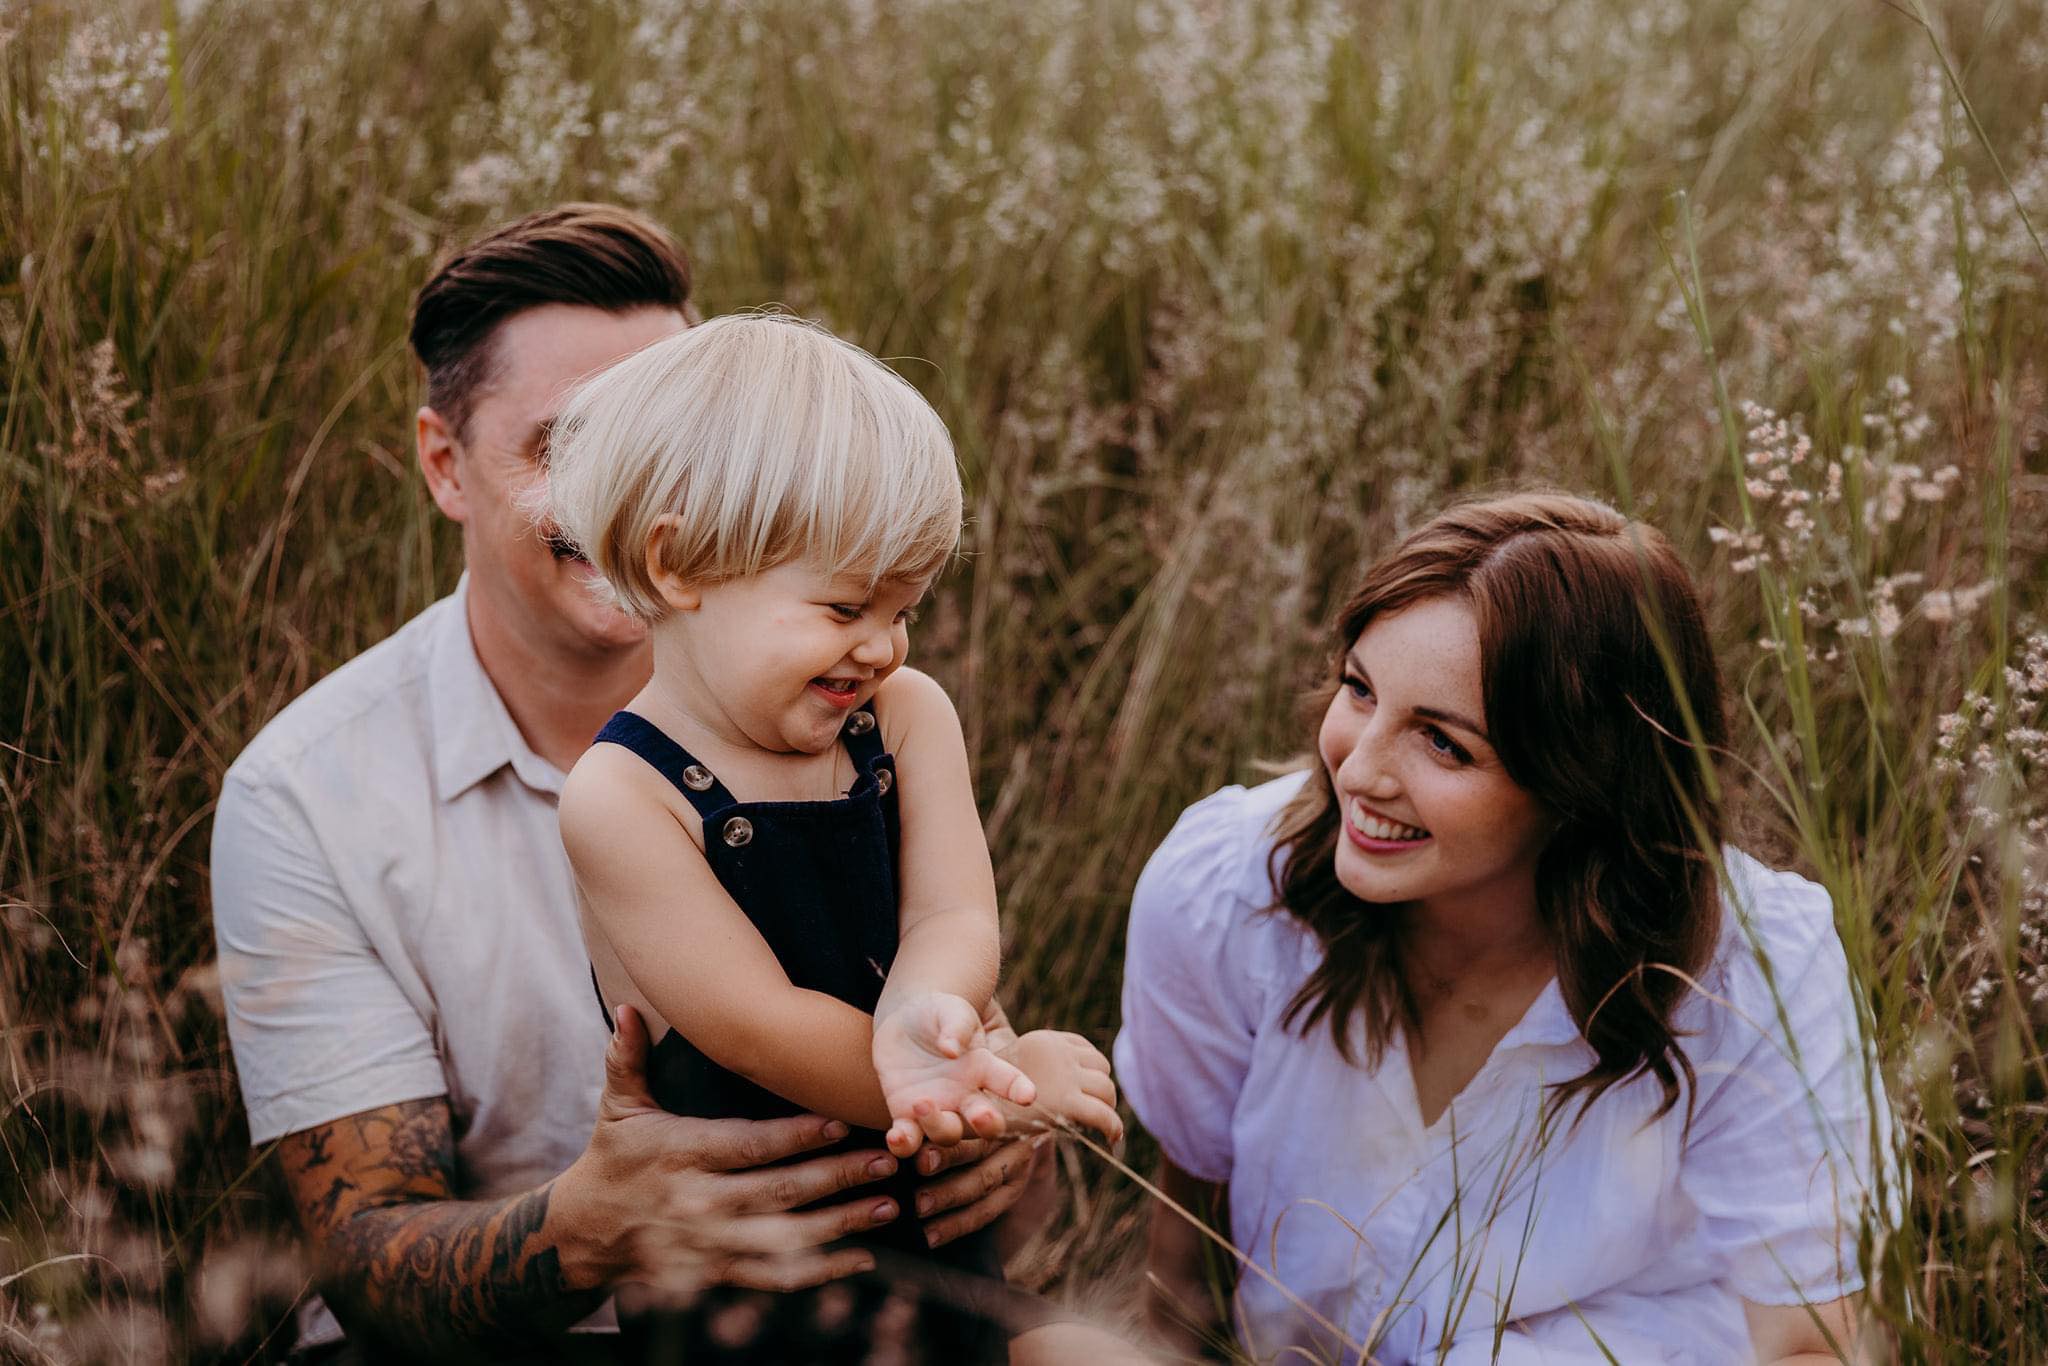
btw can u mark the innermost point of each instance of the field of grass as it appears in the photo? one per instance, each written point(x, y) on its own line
point(1217, 298)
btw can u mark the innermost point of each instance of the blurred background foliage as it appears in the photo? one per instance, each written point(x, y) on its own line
point(1217, 298)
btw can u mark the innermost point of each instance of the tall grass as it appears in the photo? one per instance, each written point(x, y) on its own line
point(1217, 298)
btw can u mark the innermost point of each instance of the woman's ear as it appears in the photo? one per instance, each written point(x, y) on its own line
point(682, 595)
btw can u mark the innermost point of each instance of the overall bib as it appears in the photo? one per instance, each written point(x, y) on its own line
point(819, 881)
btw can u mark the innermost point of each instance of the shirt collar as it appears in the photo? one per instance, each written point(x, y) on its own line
point(474, 734)
point(1547, 1021)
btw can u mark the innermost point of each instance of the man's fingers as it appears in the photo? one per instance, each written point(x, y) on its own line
point(796, 1270)
point(735, 1144)
point(934, 1160)
point(1008, 1163)
point(1011, 1173)
point(775, 1189)
point(625, 1064)
point(762, 1235)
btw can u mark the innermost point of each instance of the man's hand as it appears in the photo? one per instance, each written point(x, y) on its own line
point(933, 1060)
point(679, 1203)
point(656, 1197)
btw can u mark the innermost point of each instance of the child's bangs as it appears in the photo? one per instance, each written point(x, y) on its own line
point(877, 492)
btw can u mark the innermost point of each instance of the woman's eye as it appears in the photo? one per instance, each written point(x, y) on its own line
point(1357, 686)
point(1443, 745)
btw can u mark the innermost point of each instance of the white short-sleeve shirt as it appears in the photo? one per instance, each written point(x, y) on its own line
point(396, 916)
point(1420, 1240)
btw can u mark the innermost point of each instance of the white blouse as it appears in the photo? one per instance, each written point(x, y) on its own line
point(1423, 1242)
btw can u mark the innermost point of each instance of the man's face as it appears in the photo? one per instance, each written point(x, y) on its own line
point(530, 586)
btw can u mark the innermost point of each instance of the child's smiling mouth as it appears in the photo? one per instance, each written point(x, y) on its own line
point(837, 692)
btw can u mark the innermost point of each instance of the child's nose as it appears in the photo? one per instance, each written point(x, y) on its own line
point(875, 649)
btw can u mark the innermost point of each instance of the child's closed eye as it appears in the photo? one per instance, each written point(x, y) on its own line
point(850, 612)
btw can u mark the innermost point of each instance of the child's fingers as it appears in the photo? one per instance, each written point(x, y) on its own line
point(1098, 1085)
point(982, 1117)
point(1009, 1081)
point(1090, 1056)
point(904, 1138)
point(959, 1027)
point(943, 1127)
point(1093, 1114)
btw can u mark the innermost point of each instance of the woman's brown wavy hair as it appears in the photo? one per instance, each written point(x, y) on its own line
point(1604, 703)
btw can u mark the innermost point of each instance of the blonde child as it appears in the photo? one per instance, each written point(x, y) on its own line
point(776, 845)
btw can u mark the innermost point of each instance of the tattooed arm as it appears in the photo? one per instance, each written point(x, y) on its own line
point(406, 1262)
point(402, 1260)
point(667, 1200)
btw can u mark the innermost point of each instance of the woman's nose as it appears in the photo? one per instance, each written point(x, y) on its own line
point(1367, 768)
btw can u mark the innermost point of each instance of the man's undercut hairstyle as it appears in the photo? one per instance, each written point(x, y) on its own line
point(593, 255)
point(748, 442)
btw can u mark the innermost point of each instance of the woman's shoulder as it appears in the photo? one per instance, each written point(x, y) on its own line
point(1211, 875)
point(1777, 940)
point(1770, 912)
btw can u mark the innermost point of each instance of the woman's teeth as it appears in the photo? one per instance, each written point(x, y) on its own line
point(1373, 827)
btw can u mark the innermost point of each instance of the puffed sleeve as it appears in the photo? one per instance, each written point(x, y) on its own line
point(1191, 993)
point(1780, 1160)
point(319, 1026)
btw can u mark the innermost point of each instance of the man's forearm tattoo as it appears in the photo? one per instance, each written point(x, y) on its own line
point(405, 1262)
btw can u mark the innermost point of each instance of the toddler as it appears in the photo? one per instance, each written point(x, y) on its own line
point(776, 846)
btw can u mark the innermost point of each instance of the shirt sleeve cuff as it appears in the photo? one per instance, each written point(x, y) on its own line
point(296, 1111)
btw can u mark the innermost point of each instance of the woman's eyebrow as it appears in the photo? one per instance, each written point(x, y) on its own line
point(1357, 666)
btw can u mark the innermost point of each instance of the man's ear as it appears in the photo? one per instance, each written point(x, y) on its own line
point(440, 456)
point(682, 595)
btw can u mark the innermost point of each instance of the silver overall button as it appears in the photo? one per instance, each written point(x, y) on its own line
point(884, 779)
point(861, 724)
point(697, 777)
point(738, 831)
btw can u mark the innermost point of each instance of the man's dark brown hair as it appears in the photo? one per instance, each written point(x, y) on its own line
point(596, 255)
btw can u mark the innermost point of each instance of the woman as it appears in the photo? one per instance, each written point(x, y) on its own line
point(1488, 1057)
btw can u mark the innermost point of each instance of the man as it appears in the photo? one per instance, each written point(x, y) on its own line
point(408, 996)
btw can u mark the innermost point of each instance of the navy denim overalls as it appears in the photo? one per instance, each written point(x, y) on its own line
point(818, 880)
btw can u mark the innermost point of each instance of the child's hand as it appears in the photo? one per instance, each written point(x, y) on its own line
point(934, 1064)
point(1073, 1083)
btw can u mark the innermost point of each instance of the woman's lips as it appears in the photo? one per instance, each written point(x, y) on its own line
point(1375, 844)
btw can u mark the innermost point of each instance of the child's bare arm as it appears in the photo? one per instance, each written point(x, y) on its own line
point(695, 957)
point(948, 939)
point(930, 1054)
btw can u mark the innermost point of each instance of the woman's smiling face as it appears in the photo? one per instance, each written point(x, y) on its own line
point(1427, 813)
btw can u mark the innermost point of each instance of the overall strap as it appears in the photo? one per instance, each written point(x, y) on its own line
point(699, 786)
point(863, 736)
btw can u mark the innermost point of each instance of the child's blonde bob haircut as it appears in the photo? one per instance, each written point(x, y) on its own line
point(765, 439)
